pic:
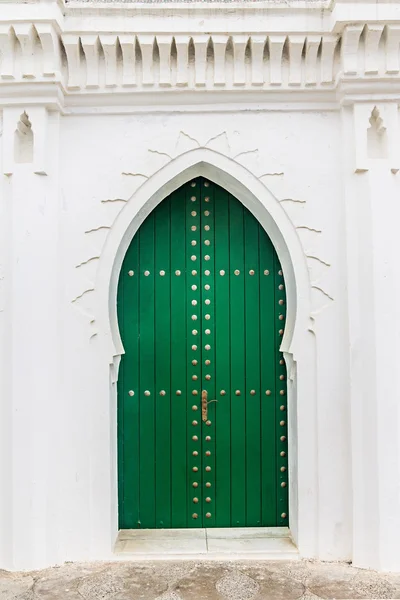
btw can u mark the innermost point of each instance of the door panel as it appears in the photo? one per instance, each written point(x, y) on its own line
point(201, 307)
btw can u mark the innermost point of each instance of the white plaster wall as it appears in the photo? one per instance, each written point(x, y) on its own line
point(371, 199)
point(147, 122)
point(104, 160)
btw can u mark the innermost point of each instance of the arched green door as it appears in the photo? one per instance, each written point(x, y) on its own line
point(201, 308)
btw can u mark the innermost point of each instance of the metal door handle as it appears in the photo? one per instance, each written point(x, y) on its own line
point(204, 405)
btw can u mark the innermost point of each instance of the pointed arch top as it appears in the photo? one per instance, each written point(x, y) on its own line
point(249, 190)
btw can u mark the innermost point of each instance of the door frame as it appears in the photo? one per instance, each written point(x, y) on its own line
point(265, 504)
point(298, 344)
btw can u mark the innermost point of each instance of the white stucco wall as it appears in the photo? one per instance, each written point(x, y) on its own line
point(296, 152)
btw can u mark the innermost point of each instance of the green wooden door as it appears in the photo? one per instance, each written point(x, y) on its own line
point(201, 308)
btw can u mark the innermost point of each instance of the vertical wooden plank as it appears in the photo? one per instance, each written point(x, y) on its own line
point(147, 390)
point(280, 399)
point(252, 358)
point(222, 361)
point(162, 355)
point(193, 269)
point(238, 412)
point(128, 390)
point(267, 365)
point(179, 358)
point(208, 348)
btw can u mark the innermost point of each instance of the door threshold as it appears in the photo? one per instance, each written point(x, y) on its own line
point(255, 543)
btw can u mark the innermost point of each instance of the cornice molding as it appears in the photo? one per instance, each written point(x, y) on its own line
point(92, 52)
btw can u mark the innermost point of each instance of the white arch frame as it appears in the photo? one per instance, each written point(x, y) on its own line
point(298, 341)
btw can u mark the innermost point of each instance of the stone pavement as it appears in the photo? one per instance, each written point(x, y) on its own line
point(198, 580)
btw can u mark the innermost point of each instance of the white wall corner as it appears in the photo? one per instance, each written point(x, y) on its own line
point(39, 118)
point(392, 120)
point(11, 116)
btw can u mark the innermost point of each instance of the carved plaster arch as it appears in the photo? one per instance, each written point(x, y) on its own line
point(298, 343)
point(253, 194)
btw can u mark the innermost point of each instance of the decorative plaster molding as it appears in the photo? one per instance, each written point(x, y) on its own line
point(376, 135)
point(19, 124)
point(88, 57)
point(300, 216)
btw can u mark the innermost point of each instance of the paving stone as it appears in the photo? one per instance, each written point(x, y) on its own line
point(100, 586)
point(343, 581)
point(329, 572)
point(201, 583)
point(147, 581)
point(63, 581)
point(237, 586)
point(169, 596)
point(172, 572)
point(297, 570)
point(14, 585)
point(29, 595)
point(191, 580)
point(345, 590)
point(374, 585)
point(274, 585)
point(332, 580)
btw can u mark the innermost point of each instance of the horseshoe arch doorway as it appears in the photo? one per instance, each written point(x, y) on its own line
point(202, 398)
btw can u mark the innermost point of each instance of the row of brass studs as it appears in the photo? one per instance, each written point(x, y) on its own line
point(194, 347)
point(207, 347)
point(207, 469)
point(194, 183)
point(207, 227)
point(206, 199)
point(194, 302)
point(195, 483)
point(207, 287)
point(195, 469)
point(208, 377)
point(193, 258)
point(282, 423)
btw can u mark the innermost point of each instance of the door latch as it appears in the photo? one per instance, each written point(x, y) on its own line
point(204, 405)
